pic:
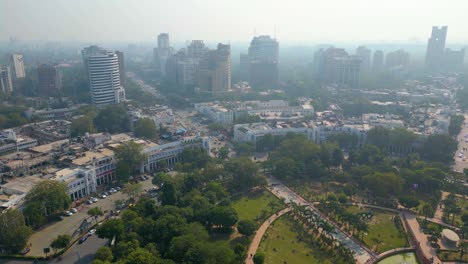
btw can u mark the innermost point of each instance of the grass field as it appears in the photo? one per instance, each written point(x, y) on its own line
point(280, 245)
point(255, 206)
point(383, 232)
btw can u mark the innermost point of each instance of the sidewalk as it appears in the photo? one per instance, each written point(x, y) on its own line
point(259, 234)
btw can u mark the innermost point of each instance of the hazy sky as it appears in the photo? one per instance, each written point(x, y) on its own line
point(298, 21)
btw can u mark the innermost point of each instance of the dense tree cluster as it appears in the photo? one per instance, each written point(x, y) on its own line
point(194, 204)
point(13, 231)
point(455, 126)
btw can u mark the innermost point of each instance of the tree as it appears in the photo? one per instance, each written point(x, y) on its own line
point(246, 227)
point(50, 195)
point(439, 148)
point(259, 258)
point(223, 152)
point(13, 232)
point(243, 173)
point(409, 201)
point(95, 212)
point(129, 156)
point(224, 216)
point(111, 228)
point(104, 254)
point(61, 241)
point(169, 193)
point(82, 125)
point(132, 189)
point(140, 256)
point(383, 184)
point(145, 128)
point(113, 119)
point(337, 157)
point(427, 210)
point(456, 122)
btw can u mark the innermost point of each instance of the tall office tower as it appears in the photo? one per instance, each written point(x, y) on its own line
point(215, 70)
point(104, 75)
point(398, 58)
point(244, 67)
point(162, 52)
point(346, 70)
point(378, 61)
point(196, 49)
point(123, 77)
point(365, 55)
point(263, 53)
point(454, 59)
point(335, 66)
point(17, 66)
point(163, 41)
point(6, 85)
point(49, 79)
point(435, 49)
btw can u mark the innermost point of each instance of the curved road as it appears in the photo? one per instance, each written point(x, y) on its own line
point(260, 232)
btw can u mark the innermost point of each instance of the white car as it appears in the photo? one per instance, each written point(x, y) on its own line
point(102, 196)
point(91, 232)
point(74, 210)
point(93, 199)
point(68, 213)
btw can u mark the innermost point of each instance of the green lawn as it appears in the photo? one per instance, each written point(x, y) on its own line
point(384, 229)
point(280, 245)
point(255, 206)
point(381, 228)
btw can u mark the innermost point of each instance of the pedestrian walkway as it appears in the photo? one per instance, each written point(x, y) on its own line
point(260, 232)
point(361, 253)
point(426, 253)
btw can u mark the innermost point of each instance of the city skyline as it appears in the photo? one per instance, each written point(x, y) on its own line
point(366, 21)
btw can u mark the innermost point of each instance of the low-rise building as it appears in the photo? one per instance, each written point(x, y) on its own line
point(102, 161)
point(47, 131)
point(81, 182)
point(47, 114)
point(11, 142)
point(216, 112)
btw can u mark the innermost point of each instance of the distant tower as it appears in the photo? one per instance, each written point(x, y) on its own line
point(17, 66)
point(435, 49)
point(365, 55)
point(215, 70)
point(378, 61)
point(104, 75)
point(263, 54)
point(162, 52)
point(123, 78)
point(398, 58)
point(6, 85)
point(49, 79)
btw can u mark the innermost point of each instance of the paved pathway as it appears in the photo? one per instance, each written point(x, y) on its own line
point(259, 234)
point(425, 245)
point(361, 253)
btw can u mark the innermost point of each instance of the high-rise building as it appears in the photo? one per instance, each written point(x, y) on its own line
point(161, 53)
point(263, 54)
point(49, 79)
point(196, 49)
point(215, 70)
point(435, 49)
point(123, 77)
point(378, 61)
point(454, 59)
point(6, 85)
point(163, 41)
point(104, 75)
point(244, 67)
point(398, 58)
point(335, 66)
point(365, 54)
point(17, 66)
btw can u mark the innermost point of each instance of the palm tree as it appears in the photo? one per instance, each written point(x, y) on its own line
point(427, 210)
point(377, 242)
point(463, 248)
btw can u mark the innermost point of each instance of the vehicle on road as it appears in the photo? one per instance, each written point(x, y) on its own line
point(93, 199)
point(102, 196)
point(83, 239)
point(118, 188)
point(91, 232)
point(74, 210)
point(68, 213)
point(89, 201)
point(25, 251)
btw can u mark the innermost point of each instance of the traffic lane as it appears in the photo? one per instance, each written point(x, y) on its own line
point(82, 253)
point(460, 164)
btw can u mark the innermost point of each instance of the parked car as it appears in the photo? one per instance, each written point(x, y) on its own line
point(93, 199)
point(112, 190)
point(25, 251)
point(102, 196)
point(74, 210)
point(68, 213)
point(89, 201)
point(83, 239)
point(118, 188)
point(91, 232)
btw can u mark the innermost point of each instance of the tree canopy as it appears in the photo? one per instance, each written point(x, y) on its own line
point(145, 128)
